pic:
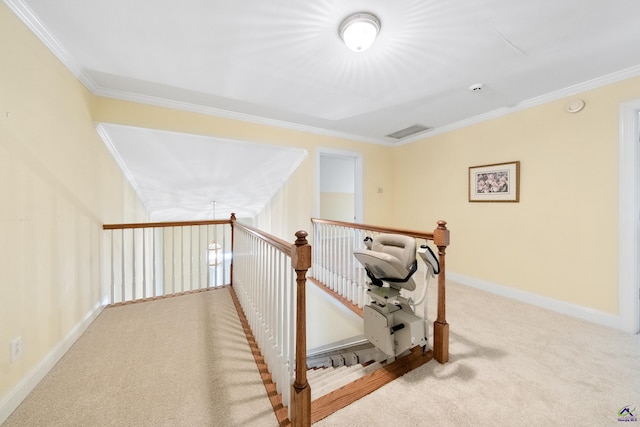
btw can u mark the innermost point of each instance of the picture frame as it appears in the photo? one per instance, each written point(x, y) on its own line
point(498, 182)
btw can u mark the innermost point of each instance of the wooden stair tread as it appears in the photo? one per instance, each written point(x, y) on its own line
point(346, 395)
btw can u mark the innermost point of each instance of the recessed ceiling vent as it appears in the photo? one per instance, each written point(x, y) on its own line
point(411, 130)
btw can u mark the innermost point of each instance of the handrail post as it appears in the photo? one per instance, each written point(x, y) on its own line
point(300, 390)
point(440, 326)
point(233, 222)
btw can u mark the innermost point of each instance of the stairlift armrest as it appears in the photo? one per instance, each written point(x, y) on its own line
point(429, 259)
point(368, 241)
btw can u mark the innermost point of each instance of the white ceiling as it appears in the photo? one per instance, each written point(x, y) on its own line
point(179, 176)
point(281, 62)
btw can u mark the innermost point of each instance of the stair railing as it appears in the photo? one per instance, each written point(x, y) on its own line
point(335, 267)
point(153, 260)
point(269, 279)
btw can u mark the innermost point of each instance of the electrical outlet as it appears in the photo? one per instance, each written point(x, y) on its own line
point(16, 349)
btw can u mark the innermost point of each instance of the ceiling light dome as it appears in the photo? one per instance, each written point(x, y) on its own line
point(358, 31)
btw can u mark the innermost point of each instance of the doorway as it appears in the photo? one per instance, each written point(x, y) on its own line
point(339, 185)
point(629, 212)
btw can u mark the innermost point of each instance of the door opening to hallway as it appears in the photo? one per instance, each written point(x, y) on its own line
point(339, 195)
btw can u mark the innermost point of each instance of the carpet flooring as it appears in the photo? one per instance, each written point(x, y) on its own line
point(180, 361)
point(185, 361)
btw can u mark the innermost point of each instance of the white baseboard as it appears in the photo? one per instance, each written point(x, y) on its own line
point(12, 400)
point(577, 311)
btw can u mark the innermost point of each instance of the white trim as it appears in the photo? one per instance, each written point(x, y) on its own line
point(359, 189)
point(104, 135)
point(573, 310)
point(234, 115)
point(39, 29)
point(533, 102)
point(15, 396)
point(30, 19)
point(629, 213)
point(201, 109)
point(359, 176)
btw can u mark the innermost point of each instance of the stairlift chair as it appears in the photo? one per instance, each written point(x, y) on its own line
point(390, 323)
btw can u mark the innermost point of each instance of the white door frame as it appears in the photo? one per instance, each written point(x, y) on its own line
point(358, 178)
point(629, 214)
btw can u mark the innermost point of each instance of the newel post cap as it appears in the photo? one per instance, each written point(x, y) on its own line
point(301, 252)
point(441, 234)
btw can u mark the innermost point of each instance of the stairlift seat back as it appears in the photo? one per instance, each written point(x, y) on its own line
point(401, 247)
point(392, 256)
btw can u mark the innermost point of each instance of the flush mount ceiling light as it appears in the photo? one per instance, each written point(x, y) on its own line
point(358, 31)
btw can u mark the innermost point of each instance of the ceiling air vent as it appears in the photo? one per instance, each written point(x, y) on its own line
point(411, 130)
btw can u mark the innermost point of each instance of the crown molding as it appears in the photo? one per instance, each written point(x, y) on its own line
point(218, 112)
point(598, 82)
point(32, 22)
point(40, 30)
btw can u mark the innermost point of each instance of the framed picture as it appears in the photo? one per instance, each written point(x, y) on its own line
point(495, 183)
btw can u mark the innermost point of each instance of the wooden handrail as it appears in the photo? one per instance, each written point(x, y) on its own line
point(376, 228)
point(164, 224)
point(281, 245)
point(441, 239)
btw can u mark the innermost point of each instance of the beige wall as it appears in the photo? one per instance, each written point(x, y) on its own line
point(337, 206)
point(58, 185)
point(561, 240)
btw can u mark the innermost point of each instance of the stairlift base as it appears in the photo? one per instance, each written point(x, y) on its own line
point(393, 329)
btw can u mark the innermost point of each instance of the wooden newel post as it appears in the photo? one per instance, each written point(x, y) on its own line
point(233, 222)
point(440, 326)
point(300, 390)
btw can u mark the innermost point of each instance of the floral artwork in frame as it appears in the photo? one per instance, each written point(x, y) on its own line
point(499, 182)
